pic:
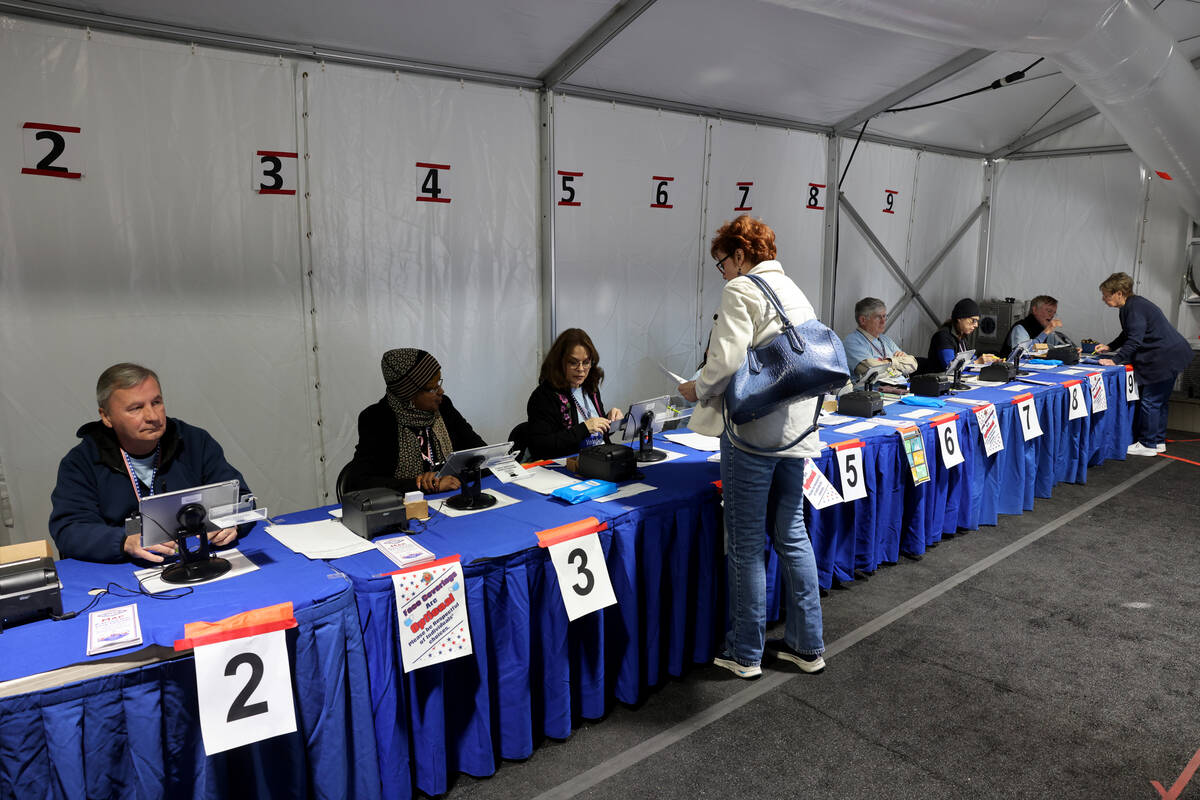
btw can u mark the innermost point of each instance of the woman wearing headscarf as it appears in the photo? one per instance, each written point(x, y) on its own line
point(1158, 354)
point(405, 438)
point(762, 472)
point(565, 412)
point(951, 339)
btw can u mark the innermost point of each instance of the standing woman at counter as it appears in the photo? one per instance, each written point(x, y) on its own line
point(763, 479)
point(951, 338)
point(565, 412)
point(1158, 354)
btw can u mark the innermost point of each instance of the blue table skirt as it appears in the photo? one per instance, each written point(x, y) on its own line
point(137, 733)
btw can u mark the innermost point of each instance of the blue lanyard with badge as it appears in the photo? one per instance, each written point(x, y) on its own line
point(133, 476)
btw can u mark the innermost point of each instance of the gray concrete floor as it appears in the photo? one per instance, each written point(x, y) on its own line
point(1068, 669)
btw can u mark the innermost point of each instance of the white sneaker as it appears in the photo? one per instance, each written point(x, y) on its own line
point(741, 670)
point(1161, 448)
point(1139, 449)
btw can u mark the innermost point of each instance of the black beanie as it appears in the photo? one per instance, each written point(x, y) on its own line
point(965, 308)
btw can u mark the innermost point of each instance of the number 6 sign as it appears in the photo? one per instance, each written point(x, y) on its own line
point(946, 428)
point(578, 561)
point(244, 687)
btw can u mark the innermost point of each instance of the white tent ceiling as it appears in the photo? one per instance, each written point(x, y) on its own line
point(748, 58)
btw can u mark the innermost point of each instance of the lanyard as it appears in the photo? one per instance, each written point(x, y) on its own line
point(876, 345)
point(425, 443)
point(133, 478)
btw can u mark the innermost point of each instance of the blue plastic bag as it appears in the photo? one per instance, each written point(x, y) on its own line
point(584, 490)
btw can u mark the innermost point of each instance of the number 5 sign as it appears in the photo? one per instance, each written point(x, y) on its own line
point(850, 467)
point(578, 561)
point(243, 682)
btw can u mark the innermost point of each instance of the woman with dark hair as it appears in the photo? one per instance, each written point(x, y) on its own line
point(1158, 354)
point(406, 437)
point(565, 412)
point(951, 339)
point(762, 470)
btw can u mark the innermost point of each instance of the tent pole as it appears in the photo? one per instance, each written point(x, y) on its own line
point(985, 229)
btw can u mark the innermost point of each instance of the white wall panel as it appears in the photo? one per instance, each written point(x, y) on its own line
point(1062, 225)
point(626, 272)
point(161, 254)
point(780, 164)
point(874, 170)
point(458, 279)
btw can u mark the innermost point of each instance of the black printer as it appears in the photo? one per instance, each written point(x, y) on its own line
point(29, 590)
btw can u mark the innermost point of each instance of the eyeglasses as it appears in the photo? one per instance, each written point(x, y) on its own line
point(437, 387)
point(573, 364)
point(719, 264)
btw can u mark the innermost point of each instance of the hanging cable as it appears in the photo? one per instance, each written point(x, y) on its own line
point(1012, 77)
point(846, 169)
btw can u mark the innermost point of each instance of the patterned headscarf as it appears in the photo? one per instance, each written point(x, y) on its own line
point(406, 370)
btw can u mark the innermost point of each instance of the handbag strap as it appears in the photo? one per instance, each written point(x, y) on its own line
point(733, 437)
point(774, 300)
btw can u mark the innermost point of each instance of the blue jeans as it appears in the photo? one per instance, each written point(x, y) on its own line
point(1150, 421)
point(762, 490)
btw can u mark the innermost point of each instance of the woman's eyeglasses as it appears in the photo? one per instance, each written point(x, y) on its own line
point(720, 265)
point(437, 387)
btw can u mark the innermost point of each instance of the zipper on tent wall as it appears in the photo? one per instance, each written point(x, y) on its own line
point(312, 349)
point(705, 175)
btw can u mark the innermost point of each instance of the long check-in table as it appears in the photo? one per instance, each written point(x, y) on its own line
point(533, 674)
point(131, 729)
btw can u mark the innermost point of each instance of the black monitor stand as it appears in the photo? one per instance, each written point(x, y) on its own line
point(958, 381)
point(646, 452)
point(194, 566)
point(471, 498)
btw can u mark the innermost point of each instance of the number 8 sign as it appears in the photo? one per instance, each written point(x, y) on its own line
point(244, 687)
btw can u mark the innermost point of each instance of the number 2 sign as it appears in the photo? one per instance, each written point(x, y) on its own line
point(244, 687)
point(51, 150)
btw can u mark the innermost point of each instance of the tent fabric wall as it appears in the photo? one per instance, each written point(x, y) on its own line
point(626, 272)
point(1059, 227)
point(162, 253)
point(458, 279)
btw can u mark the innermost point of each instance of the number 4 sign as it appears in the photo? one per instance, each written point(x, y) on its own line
point(243, 678)
point(578, 561)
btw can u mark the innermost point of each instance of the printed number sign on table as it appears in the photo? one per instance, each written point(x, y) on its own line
point(989, 428)
point(1076, 402)
point(850, 467)
point(817, 488)
point(431, 603)
point(945, 427)
point(1131, 390)
point(1099, 396)
point(1031, 428)
point(243, 677)
point(579, 563)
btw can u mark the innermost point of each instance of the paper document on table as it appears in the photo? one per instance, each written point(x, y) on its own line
point(507, 470)
point(629, 490)
point(151, 577)
point(696, 441)
point(502, 500)
point(964, 401)
point(857, 427)
point(543, 481)
point(828, 419)
point(325, 538)
point(671, 375)
point(113, 629)
point(404, 551)
point(920, 413)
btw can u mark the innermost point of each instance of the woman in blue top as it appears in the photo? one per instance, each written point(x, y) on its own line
point(1158, 354)
point(565, 412)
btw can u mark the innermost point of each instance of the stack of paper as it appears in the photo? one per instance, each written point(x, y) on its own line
point(696, 441)
point(404, 551)
point(326, 538)
point(113, 629)
point(542, 480)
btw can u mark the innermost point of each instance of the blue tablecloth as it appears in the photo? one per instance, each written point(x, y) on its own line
point(137, 734)
point(533, 674)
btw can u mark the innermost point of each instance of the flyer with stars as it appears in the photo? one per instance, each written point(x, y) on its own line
point(431, 602)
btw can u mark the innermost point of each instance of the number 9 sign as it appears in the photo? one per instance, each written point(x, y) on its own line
point(244, 687)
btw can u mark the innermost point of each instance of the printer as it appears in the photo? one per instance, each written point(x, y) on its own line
point(373, 512)
point(29, 590)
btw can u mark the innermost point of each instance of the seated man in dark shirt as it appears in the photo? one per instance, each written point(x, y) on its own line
point(133, 451)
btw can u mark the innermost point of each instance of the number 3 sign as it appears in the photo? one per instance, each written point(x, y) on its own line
point(578, 561)
point(244, 687)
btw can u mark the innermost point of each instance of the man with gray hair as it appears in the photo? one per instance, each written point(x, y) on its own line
point(133, 451)
point(868, 347)
point(1038, 327)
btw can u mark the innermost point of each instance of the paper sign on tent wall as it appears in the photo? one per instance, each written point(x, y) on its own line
point(274, 172)
point(431, 603)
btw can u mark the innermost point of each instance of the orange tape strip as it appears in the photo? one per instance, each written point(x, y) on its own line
point(847, 444)
point(421, 566)
point(544, 462)
point(571, 530)
point(940, 418)
point(248, 623)
point(1177, 458)
point(1022, 396)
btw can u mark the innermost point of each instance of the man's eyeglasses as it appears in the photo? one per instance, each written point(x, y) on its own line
point(719, 265)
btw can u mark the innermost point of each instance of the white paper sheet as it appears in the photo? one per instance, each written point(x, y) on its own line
point(696, 441)
point(326, 538)
point(543, 481)
point(502, 500)
point(857, 427)
point(921, 413)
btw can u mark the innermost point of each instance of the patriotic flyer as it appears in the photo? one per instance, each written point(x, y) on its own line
point(431, 601)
